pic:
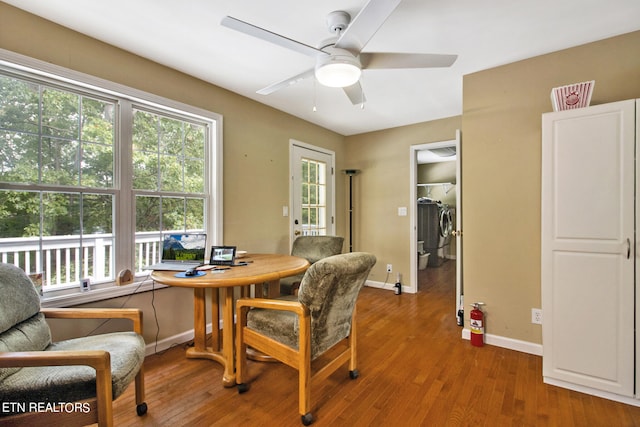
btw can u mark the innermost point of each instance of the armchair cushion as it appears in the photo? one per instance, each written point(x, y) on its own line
point(313, 249)
point(31, 335)
point(73, 383)
point(22, 326)
point(20, 298)
point(282, 326)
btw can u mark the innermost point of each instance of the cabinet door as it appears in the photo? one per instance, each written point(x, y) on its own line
point(588, 246)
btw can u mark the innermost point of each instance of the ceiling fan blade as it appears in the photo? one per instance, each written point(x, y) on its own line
point(286, 83)
point(365, 24)
point(277, 39)
point(405, 60)
point(355, 93)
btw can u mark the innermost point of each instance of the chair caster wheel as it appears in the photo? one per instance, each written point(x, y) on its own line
point(242, 388)
point(141, 409)
point(354, 374)
point(307, 419)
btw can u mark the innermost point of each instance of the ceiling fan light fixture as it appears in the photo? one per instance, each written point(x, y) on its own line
point(339, 69)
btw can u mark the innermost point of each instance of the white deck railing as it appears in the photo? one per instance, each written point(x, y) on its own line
point(59, 257)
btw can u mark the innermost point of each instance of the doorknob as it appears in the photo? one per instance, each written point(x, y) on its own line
point(457, 233)
point(296, 233)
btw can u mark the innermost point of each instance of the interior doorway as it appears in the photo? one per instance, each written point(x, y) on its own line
point(424, 154)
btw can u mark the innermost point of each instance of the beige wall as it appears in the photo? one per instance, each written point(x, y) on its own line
point(383, 185)
point(256, 146)
point(501, 133)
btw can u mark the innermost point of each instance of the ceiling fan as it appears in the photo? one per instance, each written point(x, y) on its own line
point(340, 60)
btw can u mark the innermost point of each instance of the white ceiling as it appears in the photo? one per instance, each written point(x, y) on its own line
point(186, 35)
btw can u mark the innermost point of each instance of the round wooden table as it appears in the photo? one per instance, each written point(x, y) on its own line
point(260, 268)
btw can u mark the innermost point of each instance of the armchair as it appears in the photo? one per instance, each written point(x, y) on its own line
point(297, 330)
point(70, 382)
point(312, 248)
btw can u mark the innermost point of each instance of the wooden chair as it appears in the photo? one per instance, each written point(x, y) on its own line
point(70, 382)
point(297, 330)
point(313, 249)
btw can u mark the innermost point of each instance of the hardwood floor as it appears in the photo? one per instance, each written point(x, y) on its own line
point(415, 370)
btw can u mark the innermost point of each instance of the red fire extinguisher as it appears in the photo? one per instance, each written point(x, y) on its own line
point(477, 324)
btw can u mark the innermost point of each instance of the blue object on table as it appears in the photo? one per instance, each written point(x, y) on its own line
point(182, 275)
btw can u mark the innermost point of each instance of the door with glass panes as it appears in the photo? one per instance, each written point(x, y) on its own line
point(312, 191)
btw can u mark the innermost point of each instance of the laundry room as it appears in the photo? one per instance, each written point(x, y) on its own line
point(436, 213)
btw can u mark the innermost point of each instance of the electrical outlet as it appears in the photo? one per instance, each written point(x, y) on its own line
point(536, 316)
point(389, 268)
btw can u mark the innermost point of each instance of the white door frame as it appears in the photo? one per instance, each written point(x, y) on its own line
point(413, 197)
point(331, 226)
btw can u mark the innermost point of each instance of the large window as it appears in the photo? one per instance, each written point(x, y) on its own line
point(90, 178)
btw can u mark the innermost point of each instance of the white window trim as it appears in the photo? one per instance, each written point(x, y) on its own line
point(214, 210)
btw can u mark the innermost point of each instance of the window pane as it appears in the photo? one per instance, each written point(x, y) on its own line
point(19, 214)
point(194, 140)
point(145, 170)
point(171, 173)
point(145, 132)
point(173, 213)
point(97, 121)
point(98, 141)
point(168, 154)
point(19, 154)
point(147, 213)
point(147, 231)
point(195, 214)
point(61, 214)
point(194, 176)
point(19, 102)
point(97, 165)
point(97, 237)
point(313, 196)
point(97, 213)
point(171, 137)
point(313, 172)
point(60, 161)
point(60, 115)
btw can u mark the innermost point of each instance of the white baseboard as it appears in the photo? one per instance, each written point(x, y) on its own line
point(181, 338)
point(510, 343)
point(387, 286)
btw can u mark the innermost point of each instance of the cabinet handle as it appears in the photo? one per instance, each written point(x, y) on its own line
point(628, 248)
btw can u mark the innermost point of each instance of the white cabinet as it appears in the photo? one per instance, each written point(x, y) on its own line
point(588, 258)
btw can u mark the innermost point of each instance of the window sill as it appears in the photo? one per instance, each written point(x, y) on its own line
point(78, 298)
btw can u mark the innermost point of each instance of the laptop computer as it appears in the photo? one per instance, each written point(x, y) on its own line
point(180, 252)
